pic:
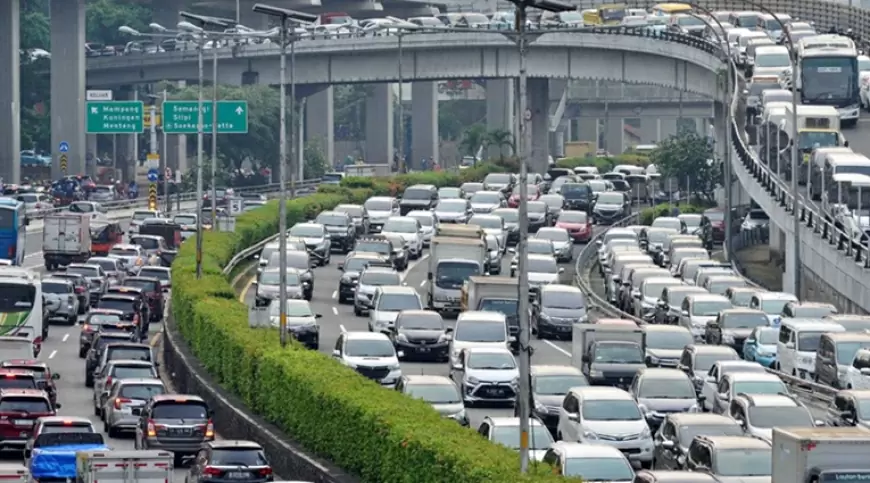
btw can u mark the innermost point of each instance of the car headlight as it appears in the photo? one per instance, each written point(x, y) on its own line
point(590, 435)
point(654, 360)
point(402, 337)
point(442, 338)
point(694, 409)
point(596, 374)
point(515, 381)
point(395, 367)
point(727, 338)
point(460, 416)
point(645, 433)
point(471, 381)
point(540, 407)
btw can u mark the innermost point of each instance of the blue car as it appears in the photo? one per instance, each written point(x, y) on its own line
point(760, 346)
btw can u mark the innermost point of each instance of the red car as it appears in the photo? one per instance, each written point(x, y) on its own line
point(578, 224)
point(716, 218)
point(534, 194)
point(19, 410)
point(41, 373)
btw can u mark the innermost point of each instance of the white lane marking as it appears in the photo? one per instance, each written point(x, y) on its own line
point(554, 346)
point(335, 310)
point(422, 283)
point(53, 353)
point(343, 330)
point(335, 295)
point(65, 337)
point(410, 268)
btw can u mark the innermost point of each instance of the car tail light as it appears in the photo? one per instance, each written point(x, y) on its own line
point(209, 429)
point(264, 472)
point(152, 429)
point(80, 289)
point(87, 328)
point(11, 253)
point(108, 381)
point(121, 400)
point(210, 471)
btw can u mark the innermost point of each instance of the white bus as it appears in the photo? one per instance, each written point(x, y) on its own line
point(828, 74)
point(21, 309)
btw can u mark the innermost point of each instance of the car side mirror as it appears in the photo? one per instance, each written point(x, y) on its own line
point(341, 266)
point(684, 313)
point(255, 284)
point(318, 316)
point(573, 416)
point(722, 396)
point(668, 444)
point(561, 270)
point(585, 358)
point(819, 423)
point(750, 341)
point(865, 371)
point(635, 294)
point(598, 242)
point(58, 405)
point(400, 354)
point(457, 366)
point(789, 345)
point(710, 379)
point(448, 330)
point(55, 376)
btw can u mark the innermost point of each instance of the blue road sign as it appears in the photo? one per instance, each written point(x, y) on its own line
point(153, 175)
point(63, 146)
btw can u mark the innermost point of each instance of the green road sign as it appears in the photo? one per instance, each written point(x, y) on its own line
point(181, 117)
point(114, 117)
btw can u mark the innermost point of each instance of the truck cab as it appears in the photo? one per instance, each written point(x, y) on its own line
point(451, 262)
point(608, 354)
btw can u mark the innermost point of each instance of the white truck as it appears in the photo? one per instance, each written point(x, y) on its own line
point(368, 170)
point(451, 262)
point(494, 294)
point(460, 231)
point(820, 455)
point(66, 238)
point(130, 466)
point(608, 354)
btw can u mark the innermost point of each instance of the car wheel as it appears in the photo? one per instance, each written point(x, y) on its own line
point(97, 411)
point(82, 353)
point(357, 312)
point(89, 382)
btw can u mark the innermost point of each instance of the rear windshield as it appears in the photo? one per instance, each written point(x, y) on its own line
point(141, 391)
point(54, 287)
point(146, 243)
point(24, 404)
point(67, 428)
point(114, 338)
point(133, 372)
point(238, 457)
point(180, 410)
point(122, 305)
point(17, 382)
point(146, 285)
point(100, 319)
point(130, 354)
point(158, 274)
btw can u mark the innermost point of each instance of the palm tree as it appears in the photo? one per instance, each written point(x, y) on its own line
point(472, 140)
point(501, 139)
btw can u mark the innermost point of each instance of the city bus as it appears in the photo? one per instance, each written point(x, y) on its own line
point(21, 307)
point(13, 230)
point(828, 75)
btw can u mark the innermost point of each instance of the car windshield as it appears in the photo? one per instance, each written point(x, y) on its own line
point(129, 353)
point(124, 252)
point(379, 205)
point(133, 372)
point(142, 215)
point(397, 225)
point(491, 361)
point(369, 348)
point(556, 235)
point(813, 312)
point(107, 265)
point(718, 287)
point(452, 206)
point(563, 300)
point(184, 219)
point(808, 341)
point(417, 194)
point(486, 197)
point(17, 382)
point(274, 278)
point(610, 410)
point(575, 190)
point(180, 409)
point(668, 340)
point(117, 304)
point(373, 247)
point(703, 362)
point(434, 393)
point(610, 198)
point(691, 221)
point(742, 321)
point(505, 435)
point(67, 428)
point(758, 215)
point(307, 231)
point(769, 336)
point(424, 219)
point(742, 462)
point(666, 388)
point(86, 271)
point(429, 321)
point(540, 247)
point(99, 319)
point(771, 416)
point(487, 222)
point(293, 308)
point(709, 308)
point(447, 193)
point(354, 211)
point(598, 469)
point(688, 433)
point(356, 264)
point(24, 404)
point(537, 207)
point(741, 298)
point(380, 278)
point(654, 289)
point(332, 220)
point(760, 387)
point(557, 385)
point(56, 287)
point(618, 353)
point(145, 242)
point(774, 306)
point(243, 457)
point(772, 60)
point(141, 391)
point(578, 217)
point(479, 331)
point(398, 302)
point(542, 265)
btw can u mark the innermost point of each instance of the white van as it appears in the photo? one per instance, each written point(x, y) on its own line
point(797, 345)
point(476, 328)
point(771, 303)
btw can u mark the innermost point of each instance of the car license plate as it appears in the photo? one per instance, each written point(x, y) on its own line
point(23, 422)
point(497, 392)
point(237, 475)
point(423, 349)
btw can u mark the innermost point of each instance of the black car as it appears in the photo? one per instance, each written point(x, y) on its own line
point(180, 423)
point(133, 305)
point(93, 324)
point(341, 229)
point(610, 207)
point(230, 461)
point(421, 334)
point(95, 353)
point(578, 196)
point(351, 268)
point(418, 197)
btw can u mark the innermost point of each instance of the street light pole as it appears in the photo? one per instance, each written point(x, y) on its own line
point(401, 163)
point(292, 114)
point(199, 122)
point(214, 130)
point(165, 157)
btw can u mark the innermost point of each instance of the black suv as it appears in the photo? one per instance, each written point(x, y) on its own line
point(342, 231)
point(418, 197)
point(180, 423)
point(95, 353)
point(578, 196)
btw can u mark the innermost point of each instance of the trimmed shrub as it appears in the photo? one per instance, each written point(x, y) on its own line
point(380, 435)
point(647, 215)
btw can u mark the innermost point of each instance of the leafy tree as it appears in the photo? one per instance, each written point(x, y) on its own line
point(35, 86)
point(315, 162)
point(473, 139)
point(688, 158)
point(349, 115)
point(501, 139)
point(103, 17)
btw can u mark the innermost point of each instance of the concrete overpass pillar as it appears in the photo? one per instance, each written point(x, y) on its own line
point(588, 129)
point(68, 83)
point(379, 124)
point(614, 130)
point(667, 127)
point(320, 123)
point(539, 105)
point(649, 130)
point(424, 122)
point(788, 274)
point(91, 154)
point(10, 95)
point(500, 108)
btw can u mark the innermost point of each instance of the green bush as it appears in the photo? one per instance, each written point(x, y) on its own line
point(604, 164)
point(377, 434)
point(647, 215)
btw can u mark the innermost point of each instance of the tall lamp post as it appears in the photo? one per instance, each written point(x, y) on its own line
point(795, 101)
point(520, 36)
point(294, 18)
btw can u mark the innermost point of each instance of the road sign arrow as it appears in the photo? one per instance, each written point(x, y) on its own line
point(94, 110)
point(239, 110)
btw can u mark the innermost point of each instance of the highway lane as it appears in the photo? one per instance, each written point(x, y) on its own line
point(338, 317)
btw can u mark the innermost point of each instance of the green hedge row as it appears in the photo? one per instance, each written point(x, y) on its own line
point(604, 164)
point(377, 434)
point(647, 215)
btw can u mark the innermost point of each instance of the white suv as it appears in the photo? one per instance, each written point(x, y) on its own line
point(371, 354)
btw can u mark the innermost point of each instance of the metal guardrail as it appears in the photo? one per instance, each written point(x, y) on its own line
point(818, 394)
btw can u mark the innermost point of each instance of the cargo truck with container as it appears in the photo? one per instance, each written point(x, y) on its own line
point(494, 294)
point(66, 238)
point(608, 354)
point(451, 262)
point(820, 455)
point(124, 466)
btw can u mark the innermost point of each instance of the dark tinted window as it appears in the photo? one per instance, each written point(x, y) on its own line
point(575, 190)
point(141, 391)
point(55, 287)
point(17, 382)
point(238, 457)
point(146, 285)
point(133, 372)
point(11, 404)
point(180, 409)
point(112, 338)
point(67, 428)
point(417, 194)
point(158, 274)
point(122, 305)
point(146, 243)
point(130, 354)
